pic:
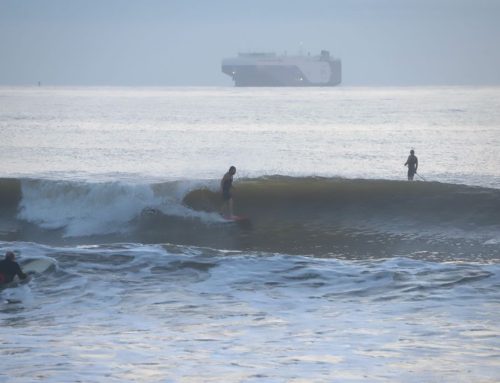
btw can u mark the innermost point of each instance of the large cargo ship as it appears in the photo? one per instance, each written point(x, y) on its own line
point(269, 69)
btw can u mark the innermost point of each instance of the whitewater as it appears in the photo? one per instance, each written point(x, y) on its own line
point(345, 271)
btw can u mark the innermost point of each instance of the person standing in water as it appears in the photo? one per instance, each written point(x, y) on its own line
point(412, 163)
point(226, 184)
point(9, 268)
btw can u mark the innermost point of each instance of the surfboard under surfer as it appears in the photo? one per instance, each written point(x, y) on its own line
point(412, 163)
point(226, 185)
point(9, 268)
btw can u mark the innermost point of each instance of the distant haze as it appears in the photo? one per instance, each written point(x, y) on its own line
point(161, 42)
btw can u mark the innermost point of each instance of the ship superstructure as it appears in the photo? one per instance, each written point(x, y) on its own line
point(270, 69)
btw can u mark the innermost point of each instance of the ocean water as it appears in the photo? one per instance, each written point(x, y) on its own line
point(344, 272)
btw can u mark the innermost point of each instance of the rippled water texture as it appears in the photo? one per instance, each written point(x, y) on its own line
point(344, 272)
point(194, 133)
point(131, 313)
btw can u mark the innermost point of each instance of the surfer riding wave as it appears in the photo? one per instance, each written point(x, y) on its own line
point(226, 185)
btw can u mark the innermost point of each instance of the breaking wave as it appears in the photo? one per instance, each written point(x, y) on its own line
point(287, 214)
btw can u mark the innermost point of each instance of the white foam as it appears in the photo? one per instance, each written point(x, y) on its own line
point(90, 208)
point(173, 194)
point(82, 208)
point(492, 241)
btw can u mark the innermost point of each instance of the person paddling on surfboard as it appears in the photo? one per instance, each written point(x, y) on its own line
point(226, 184)
point(9, 268)
point(412, 163)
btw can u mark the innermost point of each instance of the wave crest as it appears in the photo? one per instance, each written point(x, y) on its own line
point(308, 215)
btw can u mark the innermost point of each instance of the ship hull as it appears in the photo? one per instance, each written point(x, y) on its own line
point(283, 72)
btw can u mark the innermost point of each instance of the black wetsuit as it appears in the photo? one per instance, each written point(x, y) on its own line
point(227, 184)
point(8, 270)
point(412, 163)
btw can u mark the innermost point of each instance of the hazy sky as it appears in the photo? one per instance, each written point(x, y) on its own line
point(162, 42)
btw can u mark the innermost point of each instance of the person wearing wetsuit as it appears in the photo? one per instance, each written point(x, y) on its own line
point(412, 163)
point(9, 268)
point(226, 184)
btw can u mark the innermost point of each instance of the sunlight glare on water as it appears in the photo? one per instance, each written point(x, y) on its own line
point(171, 133)
point(357, 276)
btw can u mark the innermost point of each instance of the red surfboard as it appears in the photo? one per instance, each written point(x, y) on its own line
point(241, 221)
point(236, 218)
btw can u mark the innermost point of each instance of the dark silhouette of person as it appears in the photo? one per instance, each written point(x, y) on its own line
point(226, 185)
point(412, 163)
point(9, 268)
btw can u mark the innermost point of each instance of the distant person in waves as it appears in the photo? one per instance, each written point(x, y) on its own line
point(412, 163)
point(9, 268)
point(226, 184)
